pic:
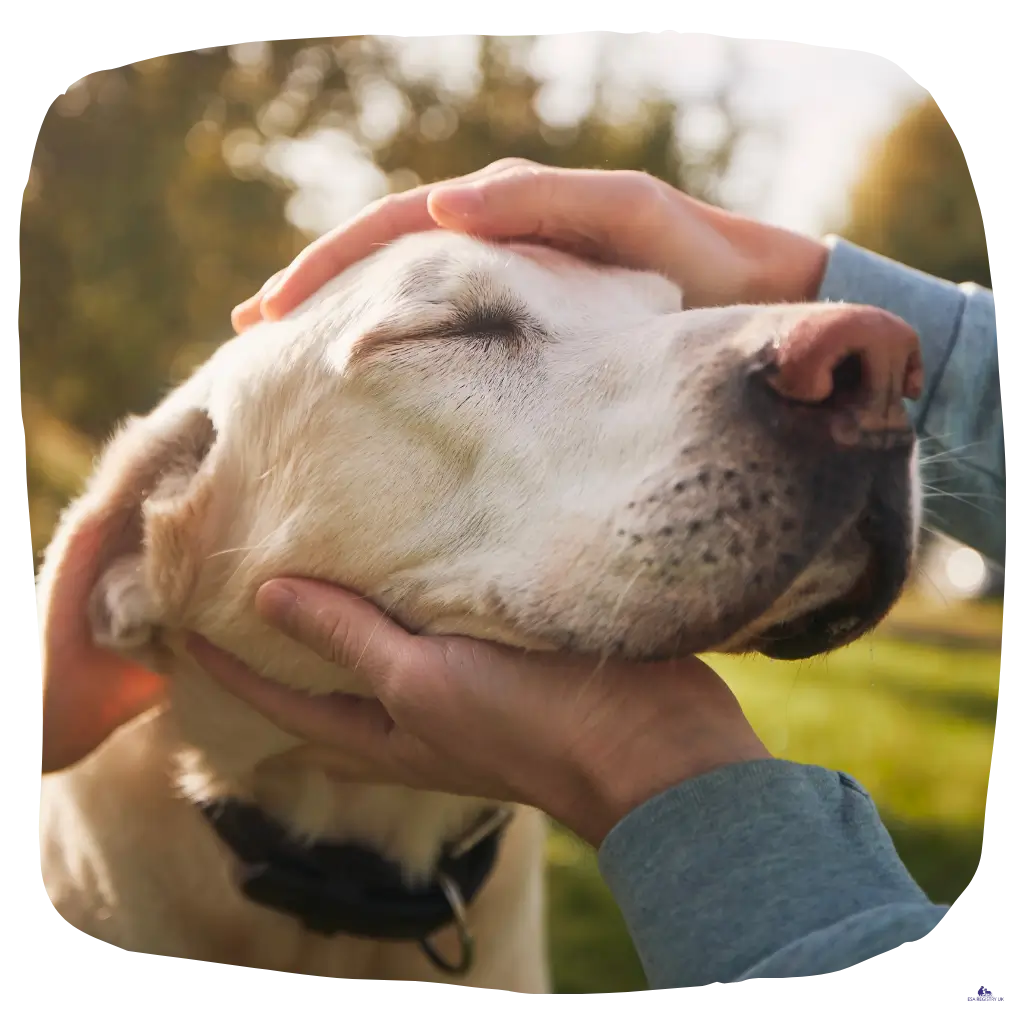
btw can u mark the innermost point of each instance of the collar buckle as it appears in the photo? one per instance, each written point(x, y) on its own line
point(467, 945)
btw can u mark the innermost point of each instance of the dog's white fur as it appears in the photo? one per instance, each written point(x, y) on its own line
point(486, 440)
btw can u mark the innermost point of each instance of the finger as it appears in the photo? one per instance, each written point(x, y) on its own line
point(247, 313)
point(340, 627)
point(322, 260)
point(551, 204)
point(331, 720)
point(379, 224)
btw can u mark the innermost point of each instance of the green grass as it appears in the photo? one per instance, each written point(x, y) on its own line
point(912, 721)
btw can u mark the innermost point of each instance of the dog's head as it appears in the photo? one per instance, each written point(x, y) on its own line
point(505, 442)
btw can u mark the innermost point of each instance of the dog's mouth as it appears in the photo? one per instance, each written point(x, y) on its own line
point(824, 629)
point(860, 609)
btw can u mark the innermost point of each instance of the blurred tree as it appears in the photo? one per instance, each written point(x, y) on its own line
point(915, 201)
point(156, 201)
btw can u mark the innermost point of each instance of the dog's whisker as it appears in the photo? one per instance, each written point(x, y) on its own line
point(934, 480)
point(233, 551)
point(962, 499)
point(605, 654)
point(946, 454)
point(265, 542)
point(386, 612)
point(938, 492)
point(938, 590)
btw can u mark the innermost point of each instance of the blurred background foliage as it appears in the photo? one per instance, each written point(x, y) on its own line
point(163, 193)
point(159, 193)
point(915, 201)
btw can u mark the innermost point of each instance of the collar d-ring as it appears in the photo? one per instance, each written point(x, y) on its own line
point(463, 965)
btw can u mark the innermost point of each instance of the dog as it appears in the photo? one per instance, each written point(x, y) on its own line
point(495, 440)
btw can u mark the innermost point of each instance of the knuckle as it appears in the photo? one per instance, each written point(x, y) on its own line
point(641, 199)
point(507, 163)
point(383, 205)
point(400, 678)
point(641, 187)
point(384, 201)
point(384, 208)
point(417, 675)
point(393, 213)
point(338, 641)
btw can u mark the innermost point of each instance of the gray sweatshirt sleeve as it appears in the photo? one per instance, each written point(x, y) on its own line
point(775, 869)
point(760, 870)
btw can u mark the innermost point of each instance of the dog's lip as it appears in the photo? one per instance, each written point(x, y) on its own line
point(829, 626)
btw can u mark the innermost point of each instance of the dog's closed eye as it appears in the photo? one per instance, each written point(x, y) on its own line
point(486, 323)
point(503, 321)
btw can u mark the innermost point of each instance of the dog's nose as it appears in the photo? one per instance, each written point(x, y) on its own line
point(855, 362)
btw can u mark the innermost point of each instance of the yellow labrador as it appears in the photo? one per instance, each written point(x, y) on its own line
point(497, 441)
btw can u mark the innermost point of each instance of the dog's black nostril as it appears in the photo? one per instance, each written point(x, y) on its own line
point(847, 380)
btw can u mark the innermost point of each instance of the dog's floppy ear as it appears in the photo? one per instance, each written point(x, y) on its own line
point(121, 563)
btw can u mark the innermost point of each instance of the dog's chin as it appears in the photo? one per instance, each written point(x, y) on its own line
point(863, 606)
point(835, 623)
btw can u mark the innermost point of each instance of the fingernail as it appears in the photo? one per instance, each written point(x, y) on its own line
point(278, 603)
point(463, 202)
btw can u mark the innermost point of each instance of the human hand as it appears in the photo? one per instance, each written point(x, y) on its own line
point(625, 218)
point(584, 741)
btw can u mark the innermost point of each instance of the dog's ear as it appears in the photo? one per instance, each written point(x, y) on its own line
point(121, 563)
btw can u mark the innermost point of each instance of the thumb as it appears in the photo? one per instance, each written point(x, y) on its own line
point(331, 720)
point(549, 204)
point(337, 625)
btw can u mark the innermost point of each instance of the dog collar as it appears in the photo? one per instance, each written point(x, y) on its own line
point(348, 888)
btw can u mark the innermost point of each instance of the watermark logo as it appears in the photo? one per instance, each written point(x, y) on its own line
point(983, 996)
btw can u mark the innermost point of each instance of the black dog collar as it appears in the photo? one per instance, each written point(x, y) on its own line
point(349, 888)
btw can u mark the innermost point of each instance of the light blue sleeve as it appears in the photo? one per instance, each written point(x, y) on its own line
point(762, 869)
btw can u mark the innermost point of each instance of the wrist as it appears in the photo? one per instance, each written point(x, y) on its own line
point(773, 263)
point(608, 791)
point(784, 266)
